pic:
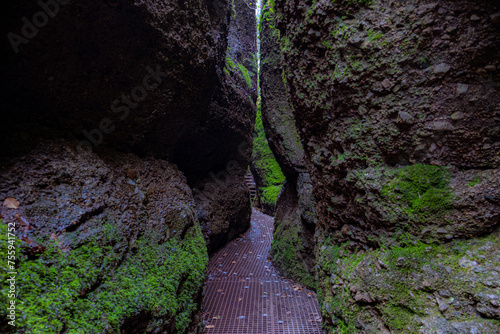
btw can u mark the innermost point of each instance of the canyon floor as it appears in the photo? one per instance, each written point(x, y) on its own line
point(244, 294)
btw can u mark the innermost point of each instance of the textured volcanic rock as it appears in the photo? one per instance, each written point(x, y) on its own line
point(397, 107)
point(91, 53)
point(266, 171)
point(110, 239)
point(366, 110)
point(217, 166)
point(293, 243)
point(143, 85)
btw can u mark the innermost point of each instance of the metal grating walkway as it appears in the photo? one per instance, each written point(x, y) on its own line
point(244, 294)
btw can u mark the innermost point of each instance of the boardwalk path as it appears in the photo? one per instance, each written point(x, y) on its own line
point(245, 294)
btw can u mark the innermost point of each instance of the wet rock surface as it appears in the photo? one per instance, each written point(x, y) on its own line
point(223, 139)
point(292, 250)
point(90, 226)
point(369, 109)
point(396, 106)
point(416, 288)
point(295, 219)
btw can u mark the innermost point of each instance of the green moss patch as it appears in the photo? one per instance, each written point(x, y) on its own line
point(232, 66)
point(270, 174)
point(270, 194)
point(424, 188)
point(97, 286)
point(286, 246)
point(405, 282)
point(246, 75)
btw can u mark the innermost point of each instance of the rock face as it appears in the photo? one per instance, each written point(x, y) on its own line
point(397, 107)
point(125, 135)
point(292, 249)
point(107, 238)
point(223, 138)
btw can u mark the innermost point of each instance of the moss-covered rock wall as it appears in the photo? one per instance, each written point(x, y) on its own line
point(292, 250)
point(267, 172)
point(101, 246)
point(396, 106)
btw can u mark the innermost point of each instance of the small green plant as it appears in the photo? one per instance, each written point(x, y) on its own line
point(245, 74)
point(475, 180)
point(233, 14)
point(338, 72)
point(342, 32)
point(283, 77)
point(373, 36)
point(230, 65)
point(327, 45)
point(253, 61)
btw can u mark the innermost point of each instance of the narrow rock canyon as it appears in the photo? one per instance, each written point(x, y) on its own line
point(131, 129)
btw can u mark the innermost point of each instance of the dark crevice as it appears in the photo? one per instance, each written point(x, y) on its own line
point(85, 217)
